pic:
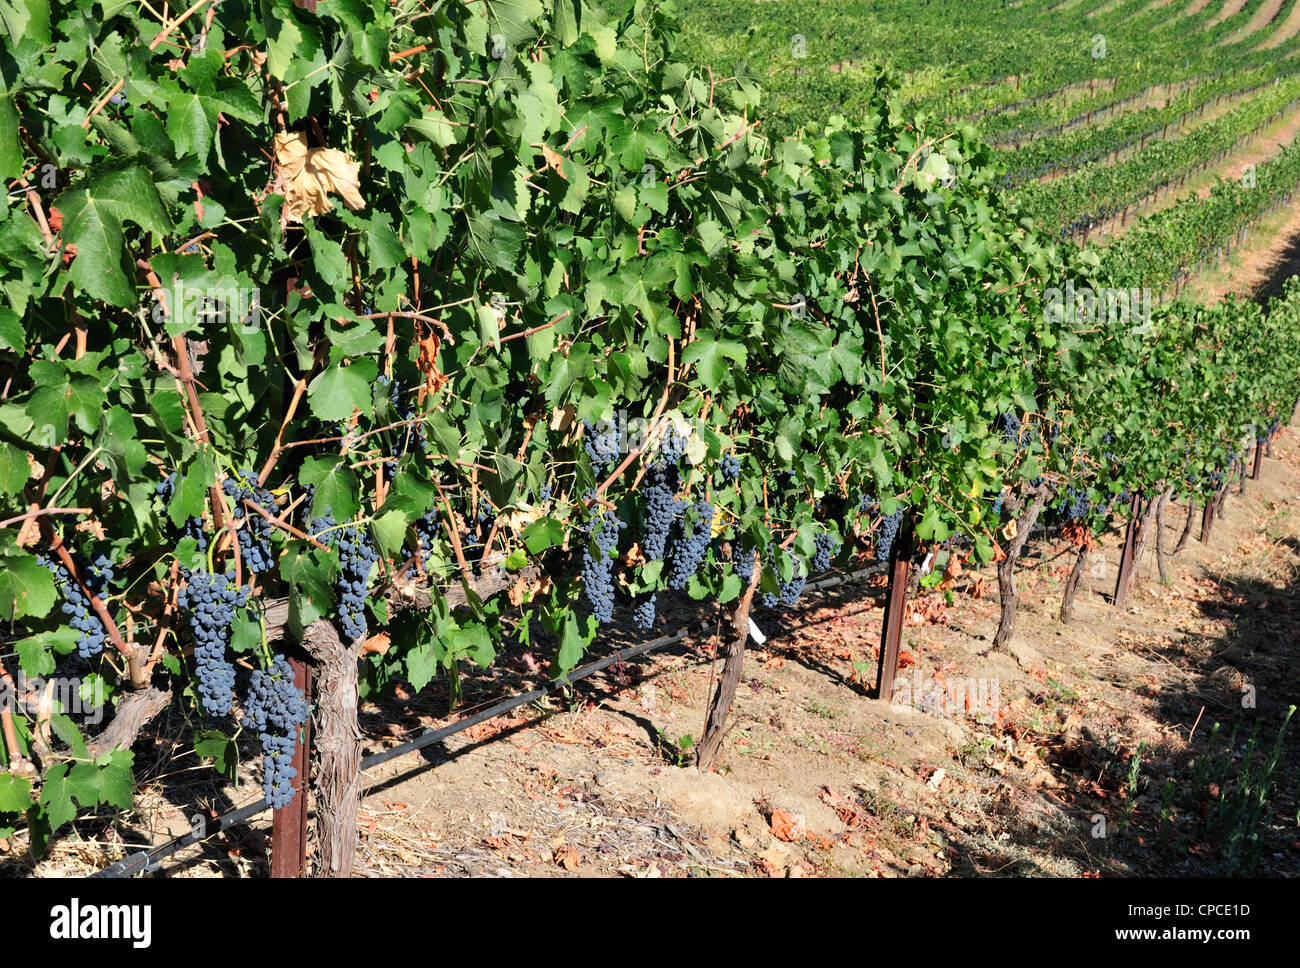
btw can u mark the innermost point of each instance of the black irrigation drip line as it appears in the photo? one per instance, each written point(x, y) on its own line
point(146, 859)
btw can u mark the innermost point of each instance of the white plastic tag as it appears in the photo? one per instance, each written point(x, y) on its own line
point(756, 634)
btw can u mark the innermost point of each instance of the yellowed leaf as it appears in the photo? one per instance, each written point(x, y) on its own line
point(311, 175)
point(554, 161)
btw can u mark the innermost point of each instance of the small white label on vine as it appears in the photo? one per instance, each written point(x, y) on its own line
point(925, 565)
point(756, 633)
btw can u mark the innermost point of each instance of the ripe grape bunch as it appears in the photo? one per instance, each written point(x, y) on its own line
point(659, 494)
point(742, 558)
point(730, 468)
point(597, 569)
point(193, 526)
point(413, 430)
point(427, 531)
point(691, 547)
point(276, 708)
point(357, 556)
point(1012, 429)
point(643, 616)
point(1076, 504)
point(790, 591)
point(673, 444)
point(76, 605)
point(211, 601)
point(827, 546)
point(602, 448)
point(255, 535)
point(888, 532)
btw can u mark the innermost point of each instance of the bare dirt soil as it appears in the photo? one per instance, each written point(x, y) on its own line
point(1284, 31)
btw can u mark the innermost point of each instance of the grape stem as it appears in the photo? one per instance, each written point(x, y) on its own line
point(57, 546)
point(40, 511)
point(285, 525)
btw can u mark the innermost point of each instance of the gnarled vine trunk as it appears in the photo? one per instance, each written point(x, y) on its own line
point(732, 667)
point(1161, 503)
point(1141, 538)
point(1007, 568)
point(1072, 584)
point(1187, 529)
point(337, 739)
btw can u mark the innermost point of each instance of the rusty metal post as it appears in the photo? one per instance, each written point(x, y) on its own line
point(289, 824)
point(891, 632)
point(1259, 461)
point(1126, 558)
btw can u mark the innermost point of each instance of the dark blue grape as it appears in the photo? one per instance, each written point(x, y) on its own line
point(603, 448)
point(97, 576)
point(598, 566)
point(827, 545)
point(427, 532)
point(691, 547)
point(673, 444)
point(210, 603)
point(659, 492)
point(276, 708)
point(255, 535)
point(730, 468)
point(888, 532)
point(742, 558)
point(357, 557)
point(643, 616)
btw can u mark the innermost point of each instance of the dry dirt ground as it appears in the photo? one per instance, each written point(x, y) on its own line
point(1105, 752)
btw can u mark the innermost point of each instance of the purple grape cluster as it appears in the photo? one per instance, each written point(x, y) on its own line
point(1012, 429)
point(1076, 504)
point(210, 602)
point(730, 468)
point(357, 556)
point(659, 492)
point(643, 616)
point(673, 444)
point(255, 535)
point(81, 616)
point(691, 547)
point(865, 503)
point(791, 590)
point(193, 526)
point(427, 532)
point(276, 708)
point(412, 433)
point(826, 546)
point(888, 532)
point(742, 559)
point(598, 568)
point(602, 448)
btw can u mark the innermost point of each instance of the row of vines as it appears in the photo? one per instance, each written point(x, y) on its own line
point(398, 333)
